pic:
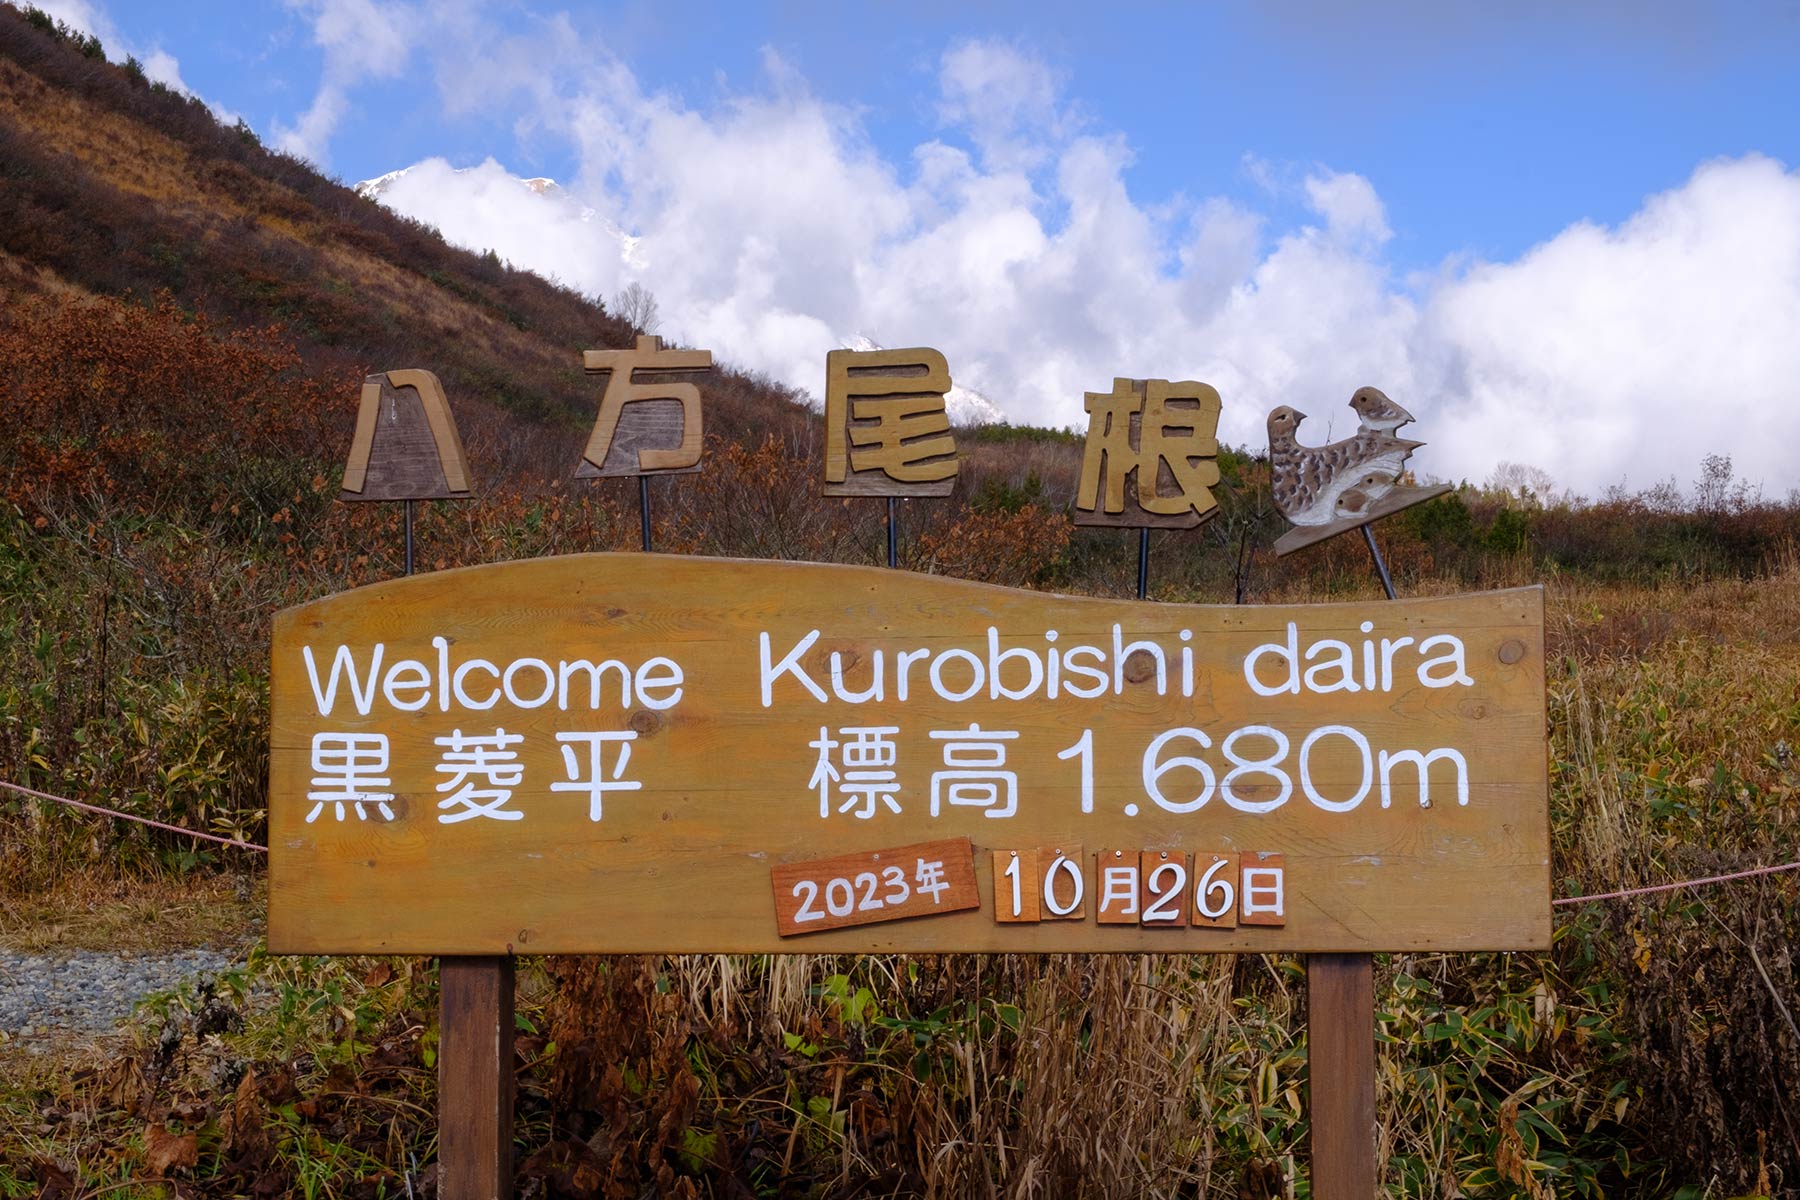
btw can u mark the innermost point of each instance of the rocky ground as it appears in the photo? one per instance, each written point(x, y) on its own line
point(74, 960)
point(51, 997)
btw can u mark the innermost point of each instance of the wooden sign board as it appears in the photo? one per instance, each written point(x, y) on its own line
point(1151, 457)
point(640, 753)
point(1332, 489)
point(887, 432)
point(406, 445)
point(650, 420)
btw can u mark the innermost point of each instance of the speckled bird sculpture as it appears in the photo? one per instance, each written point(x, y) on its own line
point(1325, 490)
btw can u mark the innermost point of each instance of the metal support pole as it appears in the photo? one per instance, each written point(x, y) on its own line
point(1387, 582)
point(644, 508)
point(1143, 563)
point(893, 531)
point(409, 537)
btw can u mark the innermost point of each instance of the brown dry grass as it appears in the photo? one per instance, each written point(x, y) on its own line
point(103, 910)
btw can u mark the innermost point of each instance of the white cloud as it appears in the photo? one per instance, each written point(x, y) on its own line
point(1607, 354)
point(771, 230)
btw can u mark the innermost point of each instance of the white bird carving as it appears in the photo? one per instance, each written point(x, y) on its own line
point(1378, 413)
point(1316, 485)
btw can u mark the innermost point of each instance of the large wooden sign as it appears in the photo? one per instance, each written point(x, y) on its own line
point(406, 445)
point(1151, 457)
point(598, 753)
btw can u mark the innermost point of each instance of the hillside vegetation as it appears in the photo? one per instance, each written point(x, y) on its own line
point(186, 320)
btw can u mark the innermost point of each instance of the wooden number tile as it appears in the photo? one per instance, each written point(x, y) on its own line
point(1064, 878)
point(1164, 888)
point(1116, 886)
point(1016, 887)
point(923, 880)
point(1262, 896)
point(1215, 891)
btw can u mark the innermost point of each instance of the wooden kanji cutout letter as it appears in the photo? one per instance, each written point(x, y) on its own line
point(1116, 887)
point(1151, 457)
point(1262, 896)
point(1328, 490)
point(649, 425)
point(886, 430)
point(406, 446)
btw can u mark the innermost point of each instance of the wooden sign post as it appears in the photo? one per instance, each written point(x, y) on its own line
point(1150, 461)
point(407, 448)
point(646, 754)
point(650, 420)
point(887, 432)
point(1326, 491)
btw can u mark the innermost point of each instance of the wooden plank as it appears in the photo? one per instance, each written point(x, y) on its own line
point(1063, 878)
point(1118, 887)
point(647, 818)
point(1151, 456)
point(1262, 888)
point(886, 430)
point(927, 880)
point(475, 1077)
point(1215, 889)
point(1340, 1036)
point(1403, 497)
point(1018, 884)
point(1163, 878)
point(406, 445)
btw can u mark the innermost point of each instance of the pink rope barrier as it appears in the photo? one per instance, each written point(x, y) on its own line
point(107, 812)
point(1566, 900)
point(1685, 883)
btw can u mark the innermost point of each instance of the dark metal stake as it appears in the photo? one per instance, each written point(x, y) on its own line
point(409, 537)
point(893, 532)
point(1387, 582)
point(1143, 563)
point(644, 508)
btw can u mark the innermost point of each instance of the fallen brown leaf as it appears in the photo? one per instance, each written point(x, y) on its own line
point(165, 1152)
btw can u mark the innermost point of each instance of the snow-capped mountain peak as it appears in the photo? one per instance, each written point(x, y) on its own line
point(966, 406)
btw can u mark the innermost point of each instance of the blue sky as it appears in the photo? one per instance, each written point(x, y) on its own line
point(1469, 204)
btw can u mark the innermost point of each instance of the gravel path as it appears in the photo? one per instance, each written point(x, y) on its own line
point(44, 997)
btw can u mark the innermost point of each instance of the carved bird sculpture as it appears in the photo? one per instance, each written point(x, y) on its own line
point(1316, 485)
point(1378, 413)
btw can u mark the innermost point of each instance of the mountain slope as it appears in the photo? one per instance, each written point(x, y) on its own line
point(110, 184)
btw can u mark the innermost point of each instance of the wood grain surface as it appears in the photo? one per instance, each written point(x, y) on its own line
point(1115, 458)
point(651, 419)
point(475, 1078)
point(887, 432)
point(651, 820)
point(877, 886)
point(1404, 496)
point(406, 445)
point(1341, 1089)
